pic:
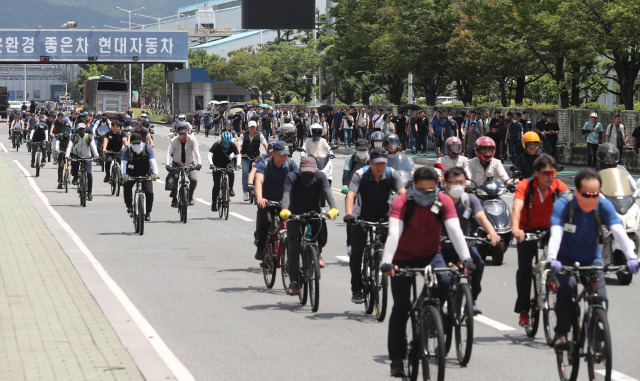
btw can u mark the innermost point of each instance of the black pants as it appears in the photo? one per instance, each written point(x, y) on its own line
point(295, 229)
point(621, 150)
point(402, 137)
point(421, 144)
point(61, 162)
point(358, 242)
point(148, 191)
point(193, 183)
point(108, 159)
point(526, 252)
point(75, 166)
point(450, 255)
point(401, 291)
point(217, 175)
point(438, 145)
point(592, 158)
point(263, 221)
point(34, 148)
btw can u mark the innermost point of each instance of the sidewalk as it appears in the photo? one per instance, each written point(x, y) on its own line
point(51, 327)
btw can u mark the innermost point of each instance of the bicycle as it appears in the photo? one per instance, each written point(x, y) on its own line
point(48, 149)
point(373, 281)
point(223, 195)
point(183, 192)
point(594, 330)
point(66, 176)
point(17, 139)
point(38, 160)
point(275, 252)
point(115, 178)
point(139, 203)
point(426, 344)
point(309, 271)
point(83, 181)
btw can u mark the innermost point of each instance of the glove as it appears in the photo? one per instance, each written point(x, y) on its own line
point(349, 218)
point(386, 267)
point(169, 168)
point(125, 177)
point(332, 156)
point(212, 167)
point(556, 266)
point(468, 188)
point(155, 176)
point(632, 264)
point(285, 214)
point(198, 167)
point(333, 213)
point(345, 190)
point(469, 265)
point(238, 167)
point(511, 188)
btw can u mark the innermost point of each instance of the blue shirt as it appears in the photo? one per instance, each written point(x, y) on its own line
point(582, 246)
point(273, 185)
point(450, 127)
point(515, 131)
point(593, 137)
point(437, 126)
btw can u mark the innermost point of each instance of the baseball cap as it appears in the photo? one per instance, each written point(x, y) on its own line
point(135, 138)
point(270, 146)
point(308, 164)
point(253, 124)
point(378, 155)
point(593, 115)
point(362, 143)
point(281, 148)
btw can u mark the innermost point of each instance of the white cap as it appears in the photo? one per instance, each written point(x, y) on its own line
point(593, 115)
point(253, 123)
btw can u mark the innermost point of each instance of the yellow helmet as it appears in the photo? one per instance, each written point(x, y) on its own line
point(530, 137)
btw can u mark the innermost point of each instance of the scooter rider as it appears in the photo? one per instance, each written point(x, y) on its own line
point(608, 157)
point(532, 207)
point(452, 157)
point(524, 162)
point(82, 146)
point(250, 150)
point(138, 159)
point(377, 140)
point(484, 164)
point(219, 157)
point(396, 159)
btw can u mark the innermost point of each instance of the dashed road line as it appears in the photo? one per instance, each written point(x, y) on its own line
point(236, 215)
point(492, 323)
point(617, 376)
point(342, 258)
point(3, 148)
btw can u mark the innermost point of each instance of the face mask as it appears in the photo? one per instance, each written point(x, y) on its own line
point(424, 198)
point(226, 145)
point(81, 133)
point(456, 191)
point(392, 155)
point(362, 154)
point(183, 138)
point(586, 204)
point(137, 147)
point(307, 177)
point(377, 144)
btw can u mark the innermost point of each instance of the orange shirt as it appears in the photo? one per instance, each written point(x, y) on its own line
point(537, 214)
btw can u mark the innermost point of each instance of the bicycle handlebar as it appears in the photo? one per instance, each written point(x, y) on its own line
point(309, 215)
point(535, 236)
point(376, 224)
point(139, 178)
point(445, 239)
point(576, 269)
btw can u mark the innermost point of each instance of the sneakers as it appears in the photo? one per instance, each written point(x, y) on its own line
point(293, 289)
point(174, 203)
point(524, 319)
point(349, 250)
point(214, 207)
point(321, 262)
point(89, 197)
point(147, 217)
point(560, 342)
point(232, 193)
point(106, 179)
point(259, 255)
point(130, 210)
point(245, 196)
point(356, 297)
point(33, 165)
point(191, 202)
point(476, 310)
point(59, 185)
point(74, 181)
point(397, 368)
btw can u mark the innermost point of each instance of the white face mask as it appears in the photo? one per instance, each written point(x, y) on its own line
point(362, 154)
point(456, 191)
point(377, 144)
point(137, 148)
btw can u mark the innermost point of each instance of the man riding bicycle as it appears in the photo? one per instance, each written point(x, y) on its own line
point(250, 150)
point(83, 147)
point(575, 235)
point(303, 191)
point(39, 136)
point(182, 152)
point(61, 148)
point(113, 141)
point(138, 160)
point(219, 157)
point(352, 164)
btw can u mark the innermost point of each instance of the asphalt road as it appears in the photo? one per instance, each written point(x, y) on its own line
point(200, 288)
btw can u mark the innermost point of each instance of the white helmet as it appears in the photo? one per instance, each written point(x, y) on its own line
point(182, 116)
point(81, 126)
point(316, 130)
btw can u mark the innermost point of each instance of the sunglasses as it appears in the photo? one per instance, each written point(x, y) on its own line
point(549, 173)
point(590, 194)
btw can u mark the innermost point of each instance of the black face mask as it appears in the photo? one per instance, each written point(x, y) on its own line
point(307, 177)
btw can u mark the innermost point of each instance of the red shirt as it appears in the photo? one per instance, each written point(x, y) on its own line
point(422, 238)
point(539, 214)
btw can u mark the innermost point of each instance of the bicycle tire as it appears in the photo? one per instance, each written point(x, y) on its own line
point(464, 324)
point(599, 345)
point(549, 318)
point(532, 328)
point(412, 356)
point(140, 212)
point(432, 354)
point(118, 185)
point(568, 360)
point(380, 284)
point(225, 201)
point(302, 280)
point(367, 284)
point(66, 181)
point(269, 265)
point(38, 161)
point(185, 202)
point(313, 273)
point(284, 270)
point(219, 200)
point(82, 184)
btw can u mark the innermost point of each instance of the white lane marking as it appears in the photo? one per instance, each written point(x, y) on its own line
point(160, 181)
point(174, 364)
point(3, 147)
point(343, 258)
point(236, 215)
point(492, 323)
point(617, 376)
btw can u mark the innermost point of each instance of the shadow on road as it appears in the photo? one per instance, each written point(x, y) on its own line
point(253, 270)
point(261, 290)
point(281, 306)
point(520, 340)
point(360, 317)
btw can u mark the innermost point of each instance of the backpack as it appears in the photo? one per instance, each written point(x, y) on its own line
point(86, 138)
point(411, 206)
point(528, 200)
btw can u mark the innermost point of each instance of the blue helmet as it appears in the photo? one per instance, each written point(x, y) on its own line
point(227, 137)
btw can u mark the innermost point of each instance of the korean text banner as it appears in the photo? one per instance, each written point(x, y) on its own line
point(78, 45)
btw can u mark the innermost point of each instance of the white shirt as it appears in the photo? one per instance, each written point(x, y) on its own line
point(460, 162)
point(479, 173)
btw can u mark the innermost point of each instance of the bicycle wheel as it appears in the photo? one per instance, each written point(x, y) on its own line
point(412, 356)
point(284, 270)
point(269, 264)
point(432, 353)
point(367, 292)
point(140, 201)
point(225, 201)
point(65, 178)
point(313, 273)
point(379, 287)
point(185, 202)
point(568, 359)
point(83, 188)
point(464, 323)
point(549, 308)
point(118, 185)
point(303, 281)
point(38, 161)
point(532, 328)
point(599, 346)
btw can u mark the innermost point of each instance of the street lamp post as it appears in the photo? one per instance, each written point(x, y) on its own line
point(129, 12)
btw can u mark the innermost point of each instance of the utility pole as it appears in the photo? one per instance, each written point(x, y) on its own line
point(129, 12)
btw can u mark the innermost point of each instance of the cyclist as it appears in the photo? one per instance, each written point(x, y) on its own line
point(468, 206)
point(219, 157)
point(415, 223)
point(484, 165)
point(368, 198)
point(82, 146)
point(396, 159)
point(377, 140)
point(270, 177)
point(228, 127)
point(138, 160)
point(113, 141)
point(303, 191)
point(17, 126)
point(575, 233)
point(101, 128)
point(609, 157)
point(182, 152)
point(144, 132)
point(452, 149)
point(39, 135)
point(61, 148)
point(524, 162)
point(250, 150)
point(532, 207)
point(352, 164)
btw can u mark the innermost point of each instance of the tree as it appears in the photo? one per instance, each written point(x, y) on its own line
point(249, 68)
point(200, 58)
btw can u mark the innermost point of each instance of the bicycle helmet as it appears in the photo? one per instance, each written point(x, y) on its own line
point(453, 147)
point(608, 155)
point(377, 139)
point(392, 140)
point(481, 144)
point(316, 130)
point(227, 137)
point(530, 137)
point(81, 126)
point(66, 133)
